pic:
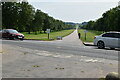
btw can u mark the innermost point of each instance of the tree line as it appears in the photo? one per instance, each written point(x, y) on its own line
point(110, 21)
point(23, 17)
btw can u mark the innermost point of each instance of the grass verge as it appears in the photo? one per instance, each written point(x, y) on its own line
point(89, 35)
point(44, 36)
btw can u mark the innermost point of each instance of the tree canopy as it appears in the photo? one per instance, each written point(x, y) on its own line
point(110, 21)
point(24, 17)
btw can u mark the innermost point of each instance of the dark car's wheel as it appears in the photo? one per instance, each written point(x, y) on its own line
point(101, 45)
point(12, 38)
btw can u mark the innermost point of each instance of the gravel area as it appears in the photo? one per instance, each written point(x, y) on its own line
point(21, 62)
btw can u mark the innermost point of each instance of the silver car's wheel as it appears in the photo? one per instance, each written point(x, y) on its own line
point(112, 48)
point(100, 45)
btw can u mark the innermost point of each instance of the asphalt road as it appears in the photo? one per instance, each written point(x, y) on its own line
point(82, 50)
point(67, 58)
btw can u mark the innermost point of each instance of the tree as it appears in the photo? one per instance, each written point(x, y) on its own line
point(110, 21)
point(26, 15)
point(23, 17)
point(9, 15)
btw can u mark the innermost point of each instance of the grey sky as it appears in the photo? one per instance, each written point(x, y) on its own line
point(74, 11)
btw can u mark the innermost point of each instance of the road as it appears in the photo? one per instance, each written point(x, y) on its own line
point(70, 44)
point(68, 57)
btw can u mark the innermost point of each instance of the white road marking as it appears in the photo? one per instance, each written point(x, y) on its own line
point(46, 53)
point(58, 47)
point(91, 60)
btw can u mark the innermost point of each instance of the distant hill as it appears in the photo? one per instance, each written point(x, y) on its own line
point(84, 23)
point(71, 23)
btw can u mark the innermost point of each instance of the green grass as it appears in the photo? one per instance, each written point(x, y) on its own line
point(89, 35)
point(44, 36)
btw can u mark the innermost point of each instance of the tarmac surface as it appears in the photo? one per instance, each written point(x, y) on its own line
point(67, 58)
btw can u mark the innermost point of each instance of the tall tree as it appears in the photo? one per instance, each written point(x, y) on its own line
point(26, 15)
point(110, 21)
point(9, 14)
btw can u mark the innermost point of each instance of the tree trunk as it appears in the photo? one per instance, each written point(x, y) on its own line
point(44, 31)
point(28, 32)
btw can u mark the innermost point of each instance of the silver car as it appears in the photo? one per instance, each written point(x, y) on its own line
point(109, 39)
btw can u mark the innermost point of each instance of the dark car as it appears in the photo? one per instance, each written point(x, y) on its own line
point(12, 34)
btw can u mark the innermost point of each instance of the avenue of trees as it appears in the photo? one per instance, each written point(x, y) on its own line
point(110, 21)
point(25, 18)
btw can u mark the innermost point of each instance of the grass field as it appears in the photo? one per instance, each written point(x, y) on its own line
point(44, 36)
point(89, 35)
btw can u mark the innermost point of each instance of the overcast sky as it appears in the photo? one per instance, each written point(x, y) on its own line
point(74, 10)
